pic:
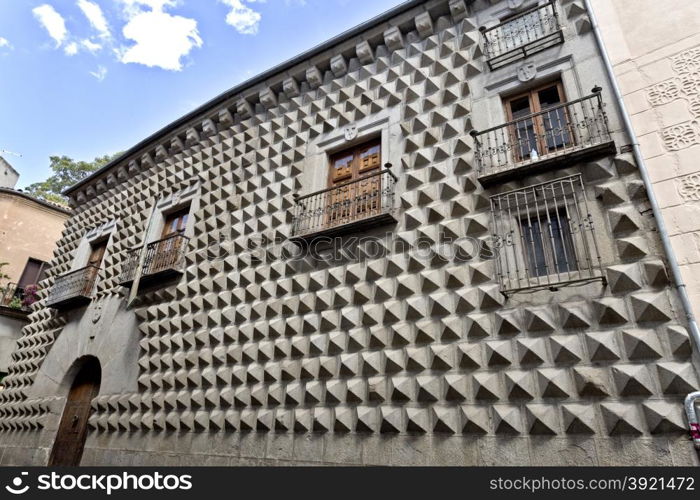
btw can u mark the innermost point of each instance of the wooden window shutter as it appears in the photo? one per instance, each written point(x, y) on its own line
point(370, 159)
point(342, 170)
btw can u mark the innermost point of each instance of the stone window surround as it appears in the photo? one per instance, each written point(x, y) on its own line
point(103, 232)
point(385, 125)
point(490, 111)
point(169, 204)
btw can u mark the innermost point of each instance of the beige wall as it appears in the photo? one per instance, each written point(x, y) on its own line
point(27, 229)
point(655, 49)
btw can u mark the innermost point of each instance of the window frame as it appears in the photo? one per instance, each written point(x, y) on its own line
point(43, 266)
point(537, 122)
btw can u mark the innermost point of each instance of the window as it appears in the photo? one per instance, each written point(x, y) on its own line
point(358, 194)
point(544, 236)
point(355, 191)
point(33, 273)
point(97, 253)
point(176, 222)
point(167, 253)
point(548, 242)
point(548, 131)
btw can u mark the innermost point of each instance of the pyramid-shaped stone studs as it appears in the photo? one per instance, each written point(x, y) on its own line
point(633, 380)
point(664, 418)
point(578, 419)
point(506, 420)
point(641, 344)
point(621, 419)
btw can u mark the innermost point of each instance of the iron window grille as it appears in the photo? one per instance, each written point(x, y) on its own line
point(522, 35)
point(544, 237)
point(572, 128)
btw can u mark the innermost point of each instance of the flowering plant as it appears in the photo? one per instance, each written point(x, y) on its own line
point(31, 295)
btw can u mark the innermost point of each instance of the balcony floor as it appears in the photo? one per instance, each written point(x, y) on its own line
point(155, 278)
point(549, 162)
point(70, 303)
point(351, 227)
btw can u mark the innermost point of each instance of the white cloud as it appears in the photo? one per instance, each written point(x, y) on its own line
point(52, 21)
point(71, 49)
point(5, 44)
point(96, 17)
point(244, 19)
point(100, 73)
point(161, 39)
point(91, 46)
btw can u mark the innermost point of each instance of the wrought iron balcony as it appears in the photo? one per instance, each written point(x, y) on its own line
point(359, 204)
point(555, 137)
point(527, 33)
point(74, 289)
point(164, 259)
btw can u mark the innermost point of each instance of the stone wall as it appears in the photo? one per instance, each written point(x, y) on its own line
point(409, 357)
point(10, 328)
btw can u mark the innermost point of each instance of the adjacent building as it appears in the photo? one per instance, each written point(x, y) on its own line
point(656, 64)
point(29, 230)
point(8, 175)
point(424, 242)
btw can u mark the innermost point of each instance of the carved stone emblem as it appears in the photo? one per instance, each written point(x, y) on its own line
point(97, 313)
point(527, 72)
point(350, 133)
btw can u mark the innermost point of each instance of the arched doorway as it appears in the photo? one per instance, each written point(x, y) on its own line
point(72, 432)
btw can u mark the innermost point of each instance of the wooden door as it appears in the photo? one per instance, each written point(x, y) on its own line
point(72, 431)
point(354, 189)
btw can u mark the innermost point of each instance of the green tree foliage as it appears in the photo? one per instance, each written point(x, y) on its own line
point(66, 172)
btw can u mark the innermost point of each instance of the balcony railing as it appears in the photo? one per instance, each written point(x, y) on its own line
point(164, 259)
point(74, 289)
point(558, 135)
point(358, 204)
point(12, 297)
point(530, 32)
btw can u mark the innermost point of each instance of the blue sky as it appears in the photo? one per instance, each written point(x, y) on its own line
point(85, 78)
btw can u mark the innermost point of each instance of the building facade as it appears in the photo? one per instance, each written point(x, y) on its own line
point(656, 65)
point(421, 243)
point(29, 230)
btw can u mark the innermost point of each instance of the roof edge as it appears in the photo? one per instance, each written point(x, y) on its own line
point(47, 204)
point(265, 75)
